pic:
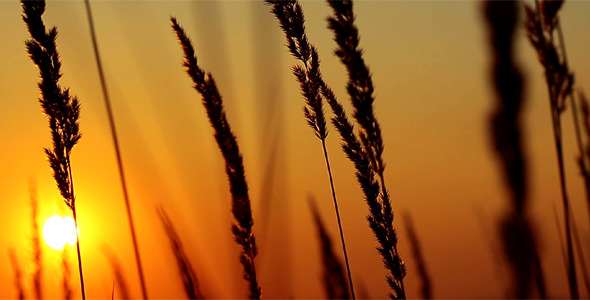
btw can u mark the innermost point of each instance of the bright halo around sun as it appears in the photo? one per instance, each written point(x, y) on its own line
point(58, 231)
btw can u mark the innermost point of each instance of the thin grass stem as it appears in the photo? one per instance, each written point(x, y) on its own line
point(583, 159)
point(79, 255)
point(581, 257)
point(540, 26)
point(113, 129)
point(572, 277)
point(334, 281)
point(339, 221)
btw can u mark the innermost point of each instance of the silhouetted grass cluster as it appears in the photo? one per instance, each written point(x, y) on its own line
point(363, 146)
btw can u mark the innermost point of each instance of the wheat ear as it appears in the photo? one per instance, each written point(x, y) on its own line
point(62, 109)
point(242, 212)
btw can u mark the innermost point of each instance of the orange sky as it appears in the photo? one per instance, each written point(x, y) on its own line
point(429, 61)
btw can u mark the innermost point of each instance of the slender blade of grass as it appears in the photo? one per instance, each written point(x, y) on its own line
point(540, 25)
point(113, 129)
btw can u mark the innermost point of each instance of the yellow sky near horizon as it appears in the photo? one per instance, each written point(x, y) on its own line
point(429, 61)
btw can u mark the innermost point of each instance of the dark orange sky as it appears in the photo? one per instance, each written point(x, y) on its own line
point(430, 65)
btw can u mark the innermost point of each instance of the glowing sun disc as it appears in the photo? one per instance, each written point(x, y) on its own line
point(58, 231)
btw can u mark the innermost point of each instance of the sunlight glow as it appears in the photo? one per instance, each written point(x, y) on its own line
point(58, 231)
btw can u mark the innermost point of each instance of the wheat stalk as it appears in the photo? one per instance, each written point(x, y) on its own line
point(540, 25)
point(62, 109)
point(242, 212)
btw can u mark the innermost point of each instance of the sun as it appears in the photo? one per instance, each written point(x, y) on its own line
point(58, 231)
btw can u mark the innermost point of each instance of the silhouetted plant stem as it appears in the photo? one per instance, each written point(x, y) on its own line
point(107, 102)
point(540, 25)
point(583, 159)
point(573, 284)
point(74, 213)
point(79, 254)
point(334, 281)
point(560, 237)
point(581, 257)
point(540, 278)
point(339, 221)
